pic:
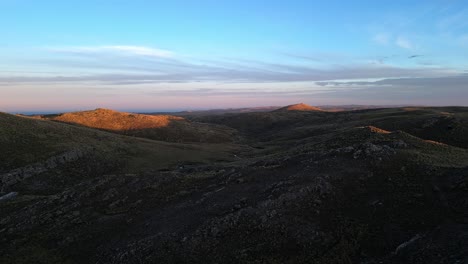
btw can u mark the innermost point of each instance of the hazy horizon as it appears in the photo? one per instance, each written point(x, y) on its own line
point(193, 55)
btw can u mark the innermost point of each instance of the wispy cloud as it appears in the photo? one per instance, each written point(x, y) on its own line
point(319, 56)
point(459, 80)
point(125, 65)
point(162, 74)
point(430, 91)
point(282, 74)
point(403, 43)
point(386, 39)
point(116, 49)
point(382, 38)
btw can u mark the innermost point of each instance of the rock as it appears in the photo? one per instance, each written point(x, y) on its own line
point(374, 151)
point(8, 196)
point(399, 144)
point(357, 154)
point(183, 192)
point(272, 213)
point(19, 174)
point(406, 244)
point(112, 192)
point(348, 149)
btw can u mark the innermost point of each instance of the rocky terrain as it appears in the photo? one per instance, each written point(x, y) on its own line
point(366, 186)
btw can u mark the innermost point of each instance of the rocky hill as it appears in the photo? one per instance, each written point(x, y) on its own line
point(299, 107)
point(158, 127)
point(32, 147)
point(367, 186)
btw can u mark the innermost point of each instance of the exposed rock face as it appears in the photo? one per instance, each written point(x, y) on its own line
point(30, 170)
point(8, 196)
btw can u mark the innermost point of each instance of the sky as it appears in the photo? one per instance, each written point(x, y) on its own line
point(181, 55)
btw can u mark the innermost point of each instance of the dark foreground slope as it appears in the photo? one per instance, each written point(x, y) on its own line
point(318, 188)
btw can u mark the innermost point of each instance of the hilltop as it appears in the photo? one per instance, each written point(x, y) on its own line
point(299, 107)
point(27, 141)
point(158, 127)
point(117, 121)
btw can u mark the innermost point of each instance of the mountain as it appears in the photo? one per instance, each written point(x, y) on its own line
point(158, 127)
point(368, 186)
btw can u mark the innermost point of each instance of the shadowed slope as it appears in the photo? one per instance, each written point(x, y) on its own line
point(447, 125)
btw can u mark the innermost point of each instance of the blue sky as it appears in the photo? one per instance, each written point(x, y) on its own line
point(153, 55)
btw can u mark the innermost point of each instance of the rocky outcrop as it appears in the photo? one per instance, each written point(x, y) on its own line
point(370, 150)
point(19, 174)
point(8, 196)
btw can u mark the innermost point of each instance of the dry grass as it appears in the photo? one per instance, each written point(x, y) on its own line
point(158, 127)
point(117, 121)
point(299, 107)
point(374, 129)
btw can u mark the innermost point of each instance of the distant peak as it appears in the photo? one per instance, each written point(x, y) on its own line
point(299, 107)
